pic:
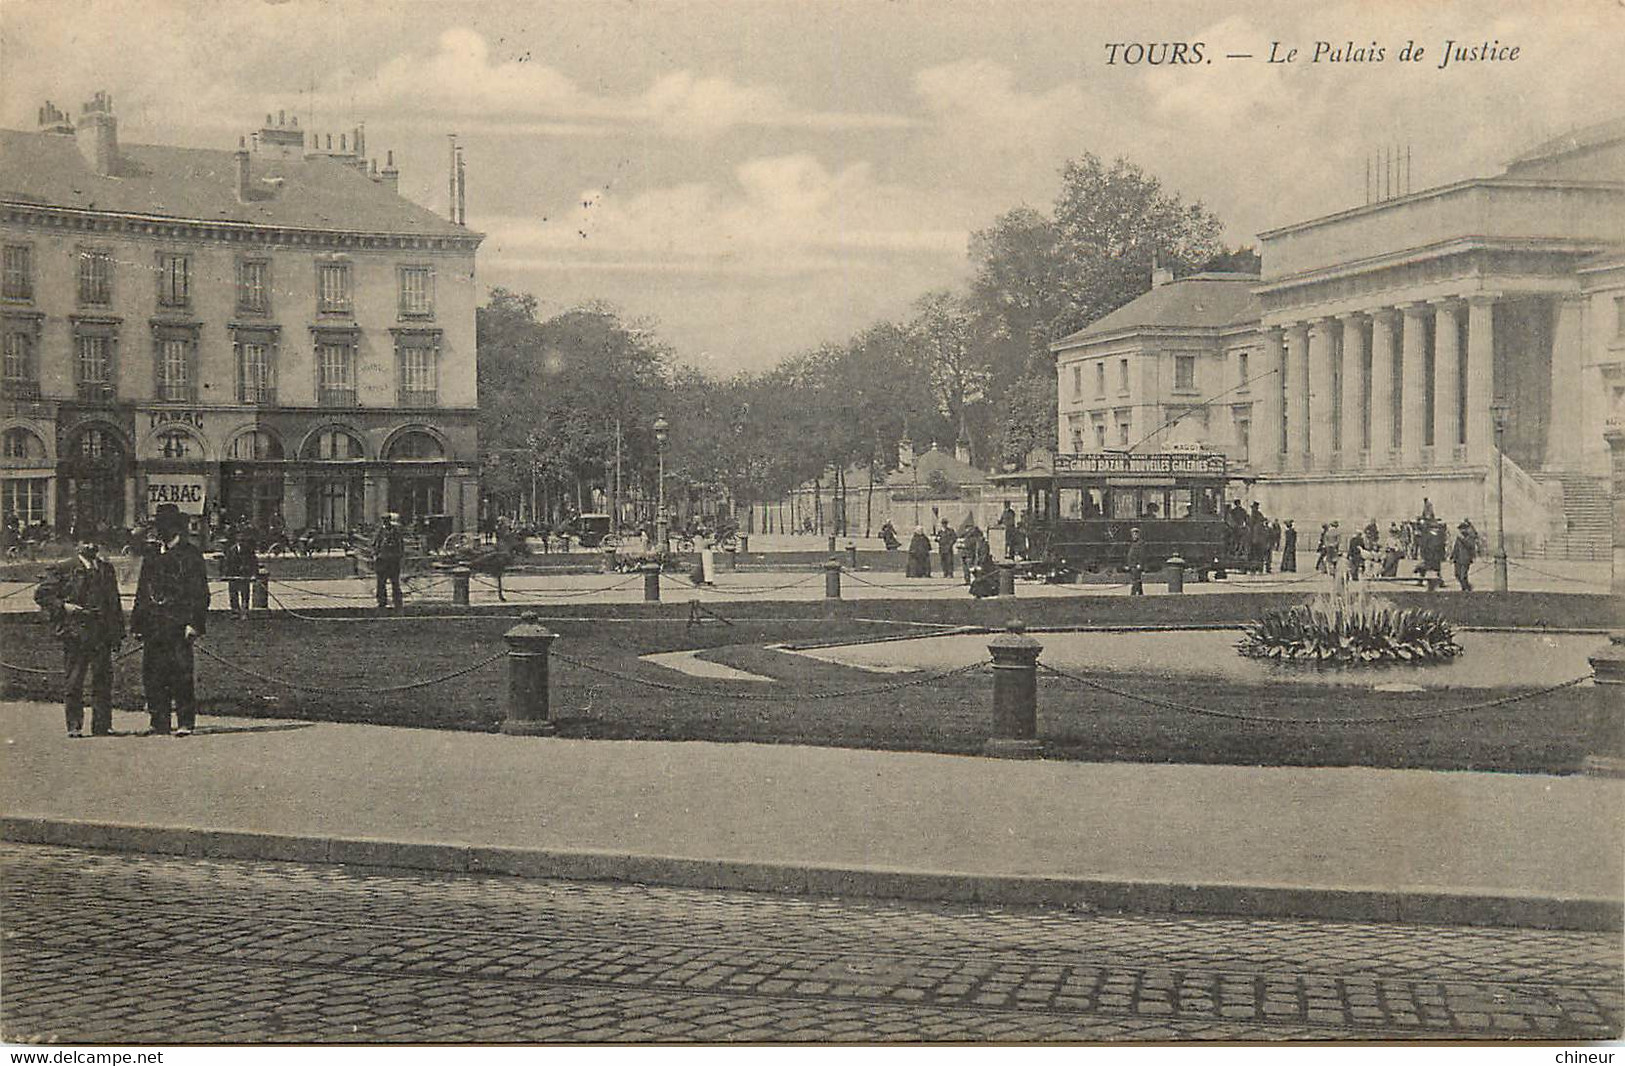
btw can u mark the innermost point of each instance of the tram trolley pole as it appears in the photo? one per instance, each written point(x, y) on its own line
point(527, 711)
point(1015, 694)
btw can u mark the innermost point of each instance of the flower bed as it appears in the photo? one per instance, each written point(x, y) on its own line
point(1352, 628)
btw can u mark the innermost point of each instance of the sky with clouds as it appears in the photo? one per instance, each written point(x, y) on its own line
point(761, 176)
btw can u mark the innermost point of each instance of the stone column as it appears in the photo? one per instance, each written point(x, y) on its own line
point(1566, 424)
point(1480, 384)
point(1320, 394)
point(1268, 429)
point(1352, 443)
point(1446, 382)
point(374, 495)
point(294, 483)
point(1297, 398)
point(1382, 386)
point(1615, 436)
point(1412, 391)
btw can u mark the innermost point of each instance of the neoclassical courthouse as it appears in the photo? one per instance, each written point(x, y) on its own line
point(1365, 368)
point(271, 334)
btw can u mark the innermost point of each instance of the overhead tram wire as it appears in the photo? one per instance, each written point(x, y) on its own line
point(1195, 406)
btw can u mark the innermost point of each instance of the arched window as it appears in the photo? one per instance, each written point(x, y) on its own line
point(257, 445)
point(97, 444)
point(21, 444)
point(175, 444)
point(332, 444)
point(415, 445)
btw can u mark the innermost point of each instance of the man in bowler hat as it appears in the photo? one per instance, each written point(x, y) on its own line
point(80, 598)
point(171, 610)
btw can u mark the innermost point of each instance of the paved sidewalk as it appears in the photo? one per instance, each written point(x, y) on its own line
point(1349, 842)
point(804, 583)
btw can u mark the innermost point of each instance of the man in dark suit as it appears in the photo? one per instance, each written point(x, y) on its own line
point(171, 610)
point(80, 597)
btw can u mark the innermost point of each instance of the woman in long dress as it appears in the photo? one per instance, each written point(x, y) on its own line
point(919, 554)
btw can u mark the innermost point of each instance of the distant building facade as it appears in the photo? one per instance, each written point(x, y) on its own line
point(1362, 370)
point(271, 335)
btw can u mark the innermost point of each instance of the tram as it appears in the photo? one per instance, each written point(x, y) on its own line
point(1080, 512)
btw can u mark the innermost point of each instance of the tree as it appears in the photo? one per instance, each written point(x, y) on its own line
point(1110, 224)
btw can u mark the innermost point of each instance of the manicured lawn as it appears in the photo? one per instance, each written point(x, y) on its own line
point(817, 703)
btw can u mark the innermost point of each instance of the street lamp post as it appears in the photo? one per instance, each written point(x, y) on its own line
point(1501, 411)
point(660, 427)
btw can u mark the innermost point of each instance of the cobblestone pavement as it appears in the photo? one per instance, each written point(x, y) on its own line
point(144, 949)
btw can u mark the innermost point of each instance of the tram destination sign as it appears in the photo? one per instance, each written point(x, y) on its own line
point(1208, 464)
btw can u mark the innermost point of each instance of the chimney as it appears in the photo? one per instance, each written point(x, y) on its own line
point(281, 139)
point(241, 157)
point(389, 175)
point(53, 121)
point(462, 190)
point(1160, 275)
point(451, 196)
point(98, 134)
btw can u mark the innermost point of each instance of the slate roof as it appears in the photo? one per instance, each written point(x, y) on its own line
point(956, 472)
point(1596, 135)
point(200, 184)
point(1201, 301)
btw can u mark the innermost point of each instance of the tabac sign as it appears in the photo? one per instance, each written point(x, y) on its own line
point(185, 491)
point(1140, 463)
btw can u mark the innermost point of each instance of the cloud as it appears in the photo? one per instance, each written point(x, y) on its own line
point(776, 213)
point(462, 79)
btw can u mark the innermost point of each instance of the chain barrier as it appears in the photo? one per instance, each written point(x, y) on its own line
point(19, 668)
point(18, 591)
point(549, 595)
point(1444, 712)
point(1554, 577)
point(759, 697)
point(745, 590)
point(368, 690)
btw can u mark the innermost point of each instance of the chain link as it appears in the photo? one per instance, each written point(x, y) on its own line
point(746, 590)
point(759, 697)
point(349, 690)
point(1444, 712)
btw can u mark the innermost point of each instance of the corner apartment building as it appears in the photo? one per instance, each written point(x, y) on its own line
point(1366, 367)
point(270, 334)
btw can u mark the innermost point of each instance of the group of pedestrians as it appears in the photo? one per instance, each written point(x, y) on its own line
point(80, 598)
point(967, 547)
point(1424, 540)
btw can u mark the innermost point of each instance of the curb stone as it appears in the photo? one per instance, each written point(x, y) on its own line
point(1145, 897)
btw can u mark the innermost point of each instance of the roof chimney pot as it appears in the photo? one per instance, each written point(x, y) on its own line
point(242, 158)
point(98, 135)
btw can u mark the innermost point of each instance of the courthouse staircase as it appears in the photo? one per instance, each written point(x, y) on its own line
point(1586, 530)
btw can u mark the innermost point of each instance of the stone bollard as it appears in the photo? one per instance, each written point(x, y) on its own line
point(261, 597)
point(832, 580)
point(1176, 574)
point(459, 585)
point(1015, 694)
point(526, 713)
point(744, 543)
point(608, 553)
point(832, 542)
point(852, 554)
point(651, 582)
point(1608, 721)
point(1007, 581)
